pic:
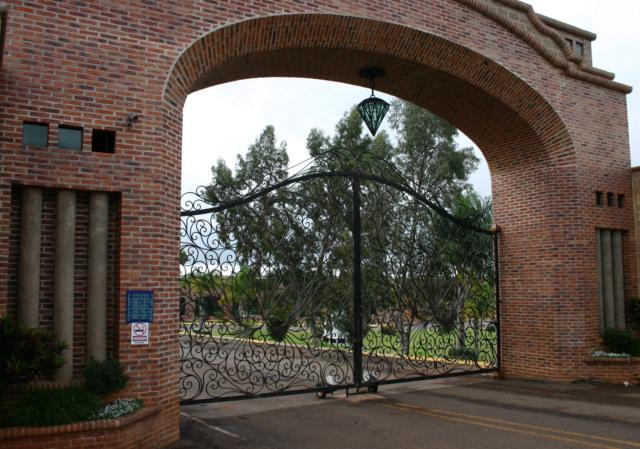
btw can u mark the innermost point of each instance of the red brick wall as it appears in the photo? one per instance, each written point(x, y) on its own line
point(136, 431)
point(615, 372)
point(553, 133)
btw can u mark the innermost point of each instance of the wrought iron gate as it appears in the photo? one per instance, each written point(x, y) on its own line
point(329, 280)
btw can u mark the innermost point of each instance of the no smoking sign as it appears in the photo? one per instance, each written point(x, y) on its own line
point(139, 333)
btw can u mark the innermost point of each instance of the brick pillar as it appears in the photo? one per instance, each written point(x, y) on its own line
point(29, 269)
point(63, 282)
point(635, 183)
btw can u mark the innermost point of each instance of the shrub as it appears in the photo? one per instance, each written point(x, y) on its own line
point(209, 306)
point(617, 340)
point(634, 313)
point(277, 327)
point(26, 354)
point(49, 407)
point(104, 377)
point(634, 347)
point(278, 323)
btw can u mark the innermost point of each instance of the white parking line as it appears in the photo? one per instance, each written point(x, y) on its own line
point(209, 426)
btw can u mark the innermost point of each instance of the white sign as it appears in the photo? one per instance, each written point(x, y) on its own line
point(139, 333)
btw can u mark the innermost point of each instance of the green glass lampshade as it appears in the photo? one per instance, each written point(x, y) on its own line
point(372, 110)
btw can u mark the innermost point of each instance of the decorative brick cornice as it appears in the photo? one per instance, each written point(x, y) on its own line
point(572, 64)
point(563, 57)
point(588, 35)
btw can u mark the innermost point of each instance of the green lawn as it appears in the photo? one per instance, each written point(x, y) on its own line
point(424, 344)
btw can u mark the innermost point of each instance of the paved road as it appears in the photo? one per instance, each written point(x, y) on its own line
point(445, 414)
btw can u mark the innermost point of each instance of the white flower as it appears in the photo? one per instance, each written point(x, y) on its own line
point(118, 408)
point(600, 353)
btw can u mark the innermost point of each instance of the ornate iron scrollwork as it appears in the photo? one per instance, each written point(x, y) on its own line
point(275, 297)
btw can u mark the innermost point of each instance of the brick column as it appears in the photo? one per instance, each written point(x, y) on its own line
point(63, 282)
point(635, 183)
point(29, 265)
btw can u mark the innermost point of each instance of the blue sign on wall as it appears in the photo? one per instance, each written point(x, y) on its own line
point(139, 306)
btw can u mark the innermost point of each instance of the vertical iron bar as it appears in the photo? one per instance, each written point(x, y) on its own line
point(357, 282)
point(496, 267)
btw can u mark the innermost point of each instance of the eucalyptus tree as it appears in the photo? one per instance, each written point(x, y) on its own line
point(429, 160)
point(265, 236)
point(296, 242)
point(329, 202)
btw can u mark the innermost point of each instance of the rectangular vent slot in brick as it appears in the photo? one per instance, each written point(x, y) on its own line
point(599, 198)
point(620, 200)
point(103, 141)
point(70, 137)
point(611, 199)
point(35, 134)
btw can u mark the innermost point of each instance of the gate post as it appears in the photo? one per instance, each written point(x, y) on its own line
point(357, 282)
point(496, 270)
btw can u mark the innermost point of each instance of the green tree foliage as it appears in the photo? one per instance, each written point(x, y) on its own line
point(468, 261)
point(184, 257)
point(414, 262)
point(267, 238)
point(329, 203)
point(428, 155)
point(622, 341)
point(295, 244)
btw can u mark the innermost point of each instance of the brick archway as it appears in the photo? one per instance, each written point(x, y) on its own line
point(552, 127)
point(534, 166)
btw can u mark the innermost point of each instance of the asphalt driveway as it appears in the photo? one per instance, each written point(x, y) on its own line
point(473, 412)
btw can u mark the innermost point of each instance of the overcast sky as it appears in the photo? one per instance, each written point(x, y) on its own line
point(222, 121)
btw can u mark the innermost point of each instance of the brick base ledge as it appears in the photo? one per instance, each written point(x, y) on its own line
point(108, 433)
point(613, 361)
point(614, 370)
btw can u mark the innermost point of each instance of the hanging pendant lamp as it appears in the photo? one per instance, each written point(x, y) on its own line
point(373, 109)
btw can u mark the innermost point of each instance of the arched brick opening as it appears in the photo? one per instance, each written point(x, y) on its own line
point(553, 128)
point(527, 146)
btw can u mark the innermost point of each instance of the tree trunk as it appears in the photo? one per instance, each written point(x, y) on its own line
point(404, 332)
point(461, 331)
